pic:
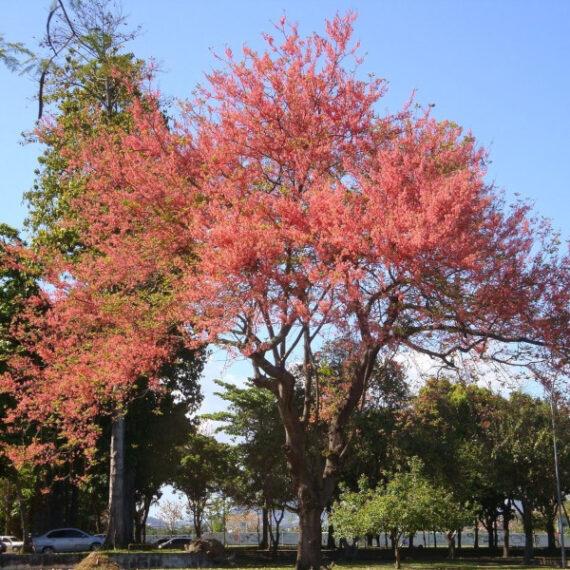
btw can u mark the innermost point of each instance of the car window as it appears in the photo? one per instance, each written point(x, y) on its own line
point(57, 534)
point(72, 533)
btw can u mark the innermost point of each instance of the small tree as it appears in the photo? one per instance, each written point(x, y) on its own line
point(205, 469)
point(171, 512)
point(409, 503)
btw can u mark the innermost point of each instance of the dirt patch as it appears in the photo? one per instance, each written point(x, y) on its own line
point(97, 561)
point(208, 546)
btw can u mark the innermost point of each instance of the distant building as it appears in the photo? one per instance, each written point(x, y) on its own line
point(244, 521)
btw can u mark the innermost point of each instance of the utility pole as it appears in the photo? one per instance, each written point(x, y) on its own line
point(558, 491)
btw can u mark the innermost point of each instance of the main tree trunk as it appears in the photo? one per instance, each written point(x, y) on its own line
point(313, 446)
point(310, 536)
point(120, 530)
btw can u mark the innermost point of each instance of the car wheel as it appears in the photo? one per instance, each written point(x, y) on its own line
point(95, 546)
point(48, 550)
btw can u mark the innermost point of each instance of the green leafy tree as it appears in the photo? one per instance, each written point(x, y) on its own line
point(84, 85)
point(207, 468)
point(157, 426)
point(251, 419)
point(443, 426)
point(407, 504)
point(217, 512)
point(375, 446)
point(526, 440)
point(488, 474)
point(375, 449)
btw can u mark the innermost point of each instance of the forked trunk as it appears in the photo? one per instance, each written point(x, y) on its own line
point(309, 548)
point(141, 516)
point(395, 537)
point(451, 544)
point(489, 524)
point(313, 461)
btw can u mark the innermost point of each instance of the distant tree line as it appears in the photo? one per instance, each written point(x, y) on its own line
point(492, 454)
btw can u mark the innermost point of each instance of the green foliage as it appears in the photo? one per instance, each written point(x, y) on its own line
point(524, 445)
point(84, 84)
point(17, 284)
point(490, 451)
point(14, 55)
point(450, 425)
point(252, 420)
point(207, 467)
point(376, 445)
point(407, 504)
point(158, 425)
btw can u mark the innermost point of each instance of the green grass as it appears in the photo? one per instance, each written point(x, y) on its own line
point(479, 564)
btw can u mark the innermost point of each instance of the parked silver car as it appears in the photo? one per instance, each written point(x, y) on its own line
point(11, 543)
point(66, 540)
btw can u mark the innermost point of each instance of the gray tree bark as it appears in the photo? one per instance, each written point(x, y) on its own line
point(120, 529)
